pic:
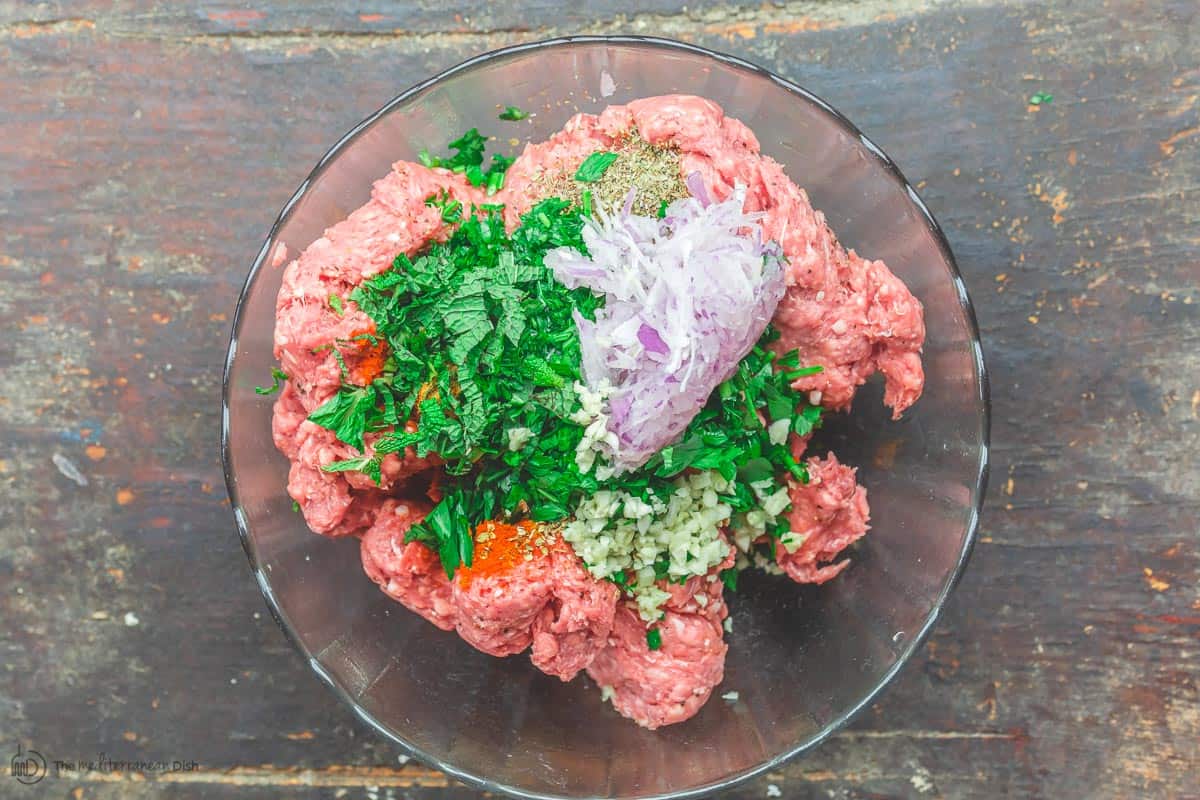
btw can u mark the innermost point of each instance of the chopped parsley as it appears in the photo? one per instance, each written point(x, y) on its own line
point(348, 414)
point(728, 435)
point(513, 114)
point(1041, 98)
point(335, 303)
point(654, 638)
point(468, 160)
point(279, 377)
point(730, 578)
point(295, 507)
point(594, 166)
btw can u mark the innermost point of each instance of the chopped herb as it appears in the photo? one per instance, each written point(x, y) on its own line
point(335, 303)
point(451, 208)
point(371, 467)
point(1041, 98)
point(295, 507)
point(470, 147)
point(513, 114)
point(594, 166)
point(278, 376)
point(654, 638)
point(468, 160)
point(804, 372)
point(347, 413)
point(730, 578)
point(482, 340)
point(662, 208)
point(447, 531)
point(728, 435)
point(807, 420)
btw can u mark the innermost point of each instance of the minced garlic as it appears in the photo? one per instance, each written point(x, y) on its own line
point(617, 533)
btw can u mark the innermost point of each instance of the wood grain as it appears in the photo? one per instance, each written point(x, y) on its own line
point(145, 149)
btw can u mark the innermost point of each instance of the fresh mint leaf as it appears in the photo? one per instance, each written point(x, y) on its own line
point(346, 414)
point(371, 467)
point(594, 166)
point(512, 324)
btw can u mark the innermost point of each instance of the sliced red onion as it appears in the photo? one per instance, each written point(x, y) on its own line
point(651, 340)
point(695, 185)
point(686, 297)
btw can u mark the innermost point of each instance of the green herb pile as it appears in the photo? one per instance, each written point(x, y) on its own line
point(469, 161)
point(728, 436)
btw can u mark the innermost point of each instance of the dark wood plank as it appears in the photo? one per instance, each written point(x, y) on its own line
point(144, 151)
point(411, 18)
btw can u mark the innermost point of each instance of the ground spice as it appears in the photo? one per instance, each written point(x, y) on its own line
point(653, 171)
point(500, 547)
point(369, 357)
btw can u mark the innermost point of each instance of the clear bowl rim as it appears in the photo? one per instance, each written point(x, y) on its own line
point(982, 391)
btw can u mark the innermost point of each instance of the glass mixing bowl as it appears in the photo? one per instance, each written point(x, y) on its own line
point(802, 659)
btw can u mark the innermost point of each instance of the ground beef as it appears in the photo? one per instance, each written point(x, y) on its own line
point(664, 686)
point(549, 601)
point(829, 512)
point(668, 685)
point(410, 573)
point(574, 625)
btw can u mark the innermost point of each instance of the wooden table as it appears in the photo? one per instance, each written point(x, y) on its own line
point(145, 149)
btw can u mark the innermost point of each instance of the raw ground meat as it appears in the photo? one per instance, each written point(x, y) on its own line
point(849, 314)
point(409, 573)
point(333, 503)
point(550, 602)
point(668, 685)
point(829, 512)
point(574, 625)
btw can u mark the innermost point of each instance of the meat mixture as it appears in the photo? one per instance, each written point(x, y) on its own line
point(527, 588)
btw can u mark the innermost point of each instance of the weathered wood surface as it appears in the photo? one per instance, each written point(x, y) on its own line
point(145, 149)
